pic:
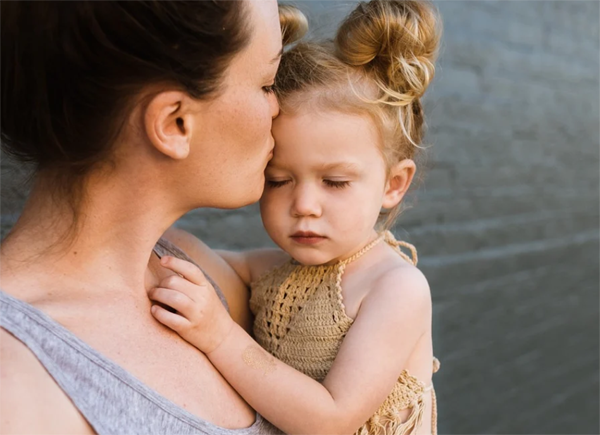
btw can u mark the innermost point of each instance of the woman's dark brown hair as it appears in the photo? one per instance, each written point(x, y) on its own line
point(70, 71)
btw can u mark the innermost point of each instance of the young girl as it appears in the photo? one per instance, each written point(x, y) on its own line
point(346, 321)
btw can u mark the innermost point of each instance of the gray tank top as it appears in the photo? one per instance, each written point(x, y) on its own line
point(111, 399)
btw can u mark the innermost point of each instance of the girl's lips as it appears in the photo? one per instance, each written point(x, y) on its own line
point(307, 238)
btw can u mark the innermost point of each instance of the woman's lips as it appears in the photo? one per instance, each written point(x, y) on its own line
point(307, 238)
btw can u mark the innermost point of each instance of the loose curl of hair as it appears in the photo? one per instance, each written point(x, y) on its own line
point(380, 63)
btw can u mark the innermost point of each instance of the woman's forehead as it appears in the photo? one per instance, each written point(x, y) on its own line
point(265, 44)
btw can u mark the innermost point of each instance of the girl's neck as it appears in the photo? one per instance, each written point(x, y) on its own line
point(372, 242)
point(111, 245)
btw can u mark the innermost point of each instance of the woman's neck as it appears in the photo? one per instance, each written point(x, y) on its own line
point(117, 228)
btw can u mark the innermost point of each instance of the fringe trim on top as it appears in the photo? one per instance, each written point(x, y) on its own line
point(391, 423)
point(408, 393)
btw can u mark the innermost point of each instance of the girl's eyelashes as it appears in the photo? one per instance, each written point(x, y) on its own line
point(277, 183)
point(328, 183)
point(336, 184)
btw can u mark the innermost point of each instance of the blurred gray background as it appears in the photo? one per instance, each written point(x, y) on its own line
point(506, 220)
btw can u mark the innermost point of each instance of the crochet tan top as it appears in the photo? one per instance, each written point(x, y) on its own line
point(300, 319)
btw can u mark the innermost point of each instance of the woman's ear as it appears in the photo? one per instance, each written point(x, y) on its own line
point(399, 180)
point(169, 122)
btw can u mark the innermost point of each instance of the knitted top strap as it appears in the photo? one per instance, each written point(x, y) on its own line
point(363, 251)
point(391, 240)
point(341, 267)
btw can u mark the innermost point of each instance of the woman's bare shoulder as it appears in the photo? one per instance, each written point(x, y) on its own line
point(211, 262)
point(195, 248)
point(30, 400)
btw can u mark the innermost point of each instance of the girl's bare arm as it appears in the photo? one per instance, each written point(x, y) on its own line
point(249, 265)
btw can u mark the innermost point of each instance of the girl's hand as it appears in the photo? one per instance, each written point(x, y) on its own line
point(201, 318)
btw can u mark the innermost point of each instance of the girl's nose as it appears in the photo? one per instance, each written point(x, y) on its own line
point(306, 202)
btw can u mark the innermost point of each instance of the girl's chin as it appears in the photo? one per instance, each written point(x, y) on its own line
point(312, 260)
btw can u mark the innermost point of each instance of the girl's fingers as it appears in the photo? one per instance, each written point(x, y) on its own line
point(188, 270)
point(193, 291)
point(175, 299)
point(170, 320)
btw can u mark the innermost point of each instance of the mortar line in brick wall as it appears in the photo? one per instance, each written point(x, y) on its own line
point(512, 249)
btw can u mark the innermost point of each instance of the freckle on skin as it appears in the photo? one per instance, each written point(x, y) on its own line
point(256, 357)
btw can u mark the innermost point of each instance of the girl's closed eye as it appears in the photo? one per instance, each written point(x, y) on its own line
point(277, 183)
point(336, 184)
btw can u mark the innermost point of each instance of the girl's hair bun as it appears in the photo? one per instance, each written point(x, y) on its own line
point(293, 24)
point(394, 40)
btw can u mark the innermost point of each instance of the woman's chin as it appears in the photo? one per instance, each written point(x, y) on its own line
point(239, 201)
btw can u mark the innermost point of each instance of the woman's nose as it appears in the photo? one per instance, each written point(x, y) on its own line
point(306, 202)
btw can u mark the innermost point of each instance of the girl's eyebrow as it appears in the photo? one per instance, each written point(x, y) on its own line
point(272, 165)
point(344, 166)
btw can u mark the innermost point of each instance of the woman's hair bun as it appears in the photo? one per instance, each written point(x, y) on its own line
point(294, 24)
point(396, 41)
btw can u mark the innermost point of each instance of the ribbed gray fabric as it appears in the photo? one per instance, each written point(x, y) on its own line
point(111, 399)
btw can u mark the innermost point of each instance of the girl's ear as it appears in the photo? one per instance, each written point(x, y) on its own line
point(399, 180)
point(168, 122)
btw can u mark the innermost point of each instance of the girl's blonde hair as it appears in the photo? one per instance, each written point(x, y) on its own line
point(380, 63)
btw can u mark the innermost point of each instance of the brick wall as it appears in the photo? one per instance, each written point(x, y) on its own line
point(506, 220)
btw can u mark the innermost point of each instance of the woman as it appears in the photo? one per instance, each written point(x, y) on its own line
point(134, 113)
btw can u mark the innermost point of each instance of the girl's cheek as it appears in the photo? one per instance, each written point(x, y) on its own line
point(268, 206)
point(267, 198)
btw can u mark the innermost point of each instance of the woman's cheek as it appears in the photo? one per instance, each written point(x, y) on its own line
point(266, 120)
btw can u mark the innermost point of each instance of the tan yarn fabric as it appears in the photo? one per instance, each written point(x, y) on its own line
point(300, 318)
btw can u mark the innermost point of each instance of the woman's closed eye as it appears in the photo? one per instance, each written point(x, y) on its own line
point(269, 89)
